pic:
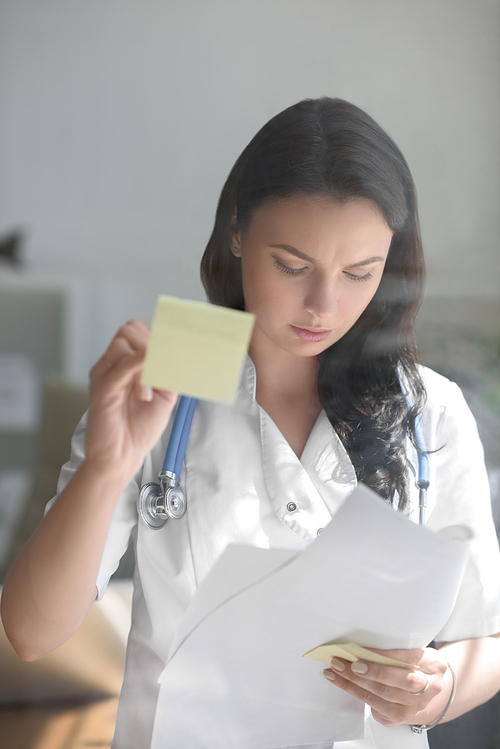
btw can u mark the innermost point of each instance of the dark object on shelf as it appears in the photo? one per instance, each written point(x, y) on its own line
point(10, 248)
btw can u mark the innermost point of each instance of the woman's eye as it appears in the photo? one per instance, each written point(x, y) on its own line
point(353, 277)
point(285, 269)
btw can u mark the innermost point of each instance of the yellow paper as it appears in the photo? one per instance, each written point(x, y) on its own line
point(197, 349)
point(349, 651)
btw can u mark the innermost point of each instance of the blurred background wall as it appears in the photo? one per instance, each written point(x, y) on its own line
point(120, 119)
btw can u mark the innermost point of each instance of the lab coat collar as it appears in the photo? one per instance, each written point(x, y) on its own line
point(249, 378)
point(317, 484)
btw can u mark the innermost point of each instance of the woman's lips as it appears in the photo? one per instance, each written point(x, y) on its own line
point(311, 334)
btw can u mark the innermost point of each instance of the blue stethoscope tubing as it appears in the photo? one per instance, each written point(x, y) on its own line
point(176, 448)
point(423, 463)
point(158, 502)
point(423, 472)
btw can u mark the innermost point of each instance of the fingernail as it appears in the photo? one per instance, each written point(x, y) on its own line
point(359, 668)
point(329, 675)
point(337, 665)
point(147, 393)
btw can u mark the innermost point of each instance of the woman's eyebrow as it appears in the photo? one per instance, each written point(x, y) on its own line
point(368, 261)
point(303, 256)
point(294, 251)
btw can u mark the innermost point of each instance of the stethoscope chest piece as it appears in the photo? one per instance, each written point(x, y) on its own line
point(159, 502)
point(148, 506)
point(175, 503)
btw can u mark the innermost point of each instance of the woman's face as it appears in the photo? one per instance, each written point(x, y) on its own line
point(310, 266)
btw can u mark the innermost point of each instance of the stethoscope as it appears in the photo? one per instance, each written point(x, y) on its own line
point(158, 502)
point(423, 473)
point(422, 481)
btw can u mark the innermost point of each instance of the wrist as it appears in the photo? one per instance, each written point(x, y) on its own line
point(440, 718)
point(105, 480)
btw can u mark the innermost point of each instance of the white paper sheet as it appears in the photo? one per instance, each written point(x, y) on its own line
point(236, 676)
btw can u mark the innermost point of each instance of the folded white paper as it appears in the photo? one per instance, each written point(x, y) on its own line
point(236, 675)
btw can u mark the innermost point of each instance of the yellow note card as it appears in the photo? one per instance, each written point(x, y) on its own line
point(197, 349)
point(349, 651)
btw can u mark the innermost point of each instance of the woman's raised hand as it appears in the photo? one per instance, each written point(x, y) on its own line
point(125, 418)
point(398, 696)
point(52, 583)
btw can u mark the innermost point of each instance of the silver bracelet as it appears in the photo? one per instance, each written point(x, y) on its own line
point(420, 729)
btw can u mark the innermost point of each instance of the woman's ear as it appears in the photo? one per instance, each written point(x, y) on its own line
point(235, 235)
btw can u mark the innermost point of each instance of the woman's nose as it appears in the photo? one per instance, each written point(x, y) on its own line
point(321, 300)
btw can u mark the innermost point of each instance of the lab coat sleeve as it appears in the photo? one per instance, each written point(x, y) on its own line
point(462, 496)
point(124, 517)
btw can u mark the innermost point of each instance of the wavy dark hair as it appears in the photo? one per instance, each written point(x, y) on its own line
point(329, 147)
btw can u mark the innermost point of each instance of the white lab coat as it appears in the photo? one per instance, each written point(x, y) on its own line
point(240, 476)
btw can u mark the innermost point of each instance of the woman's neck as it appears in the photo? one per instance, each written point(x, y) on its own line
point(286, 390)
point(283, 374)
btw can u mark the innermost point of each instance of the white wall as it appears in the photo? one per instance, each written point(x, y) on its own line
point(119, 120)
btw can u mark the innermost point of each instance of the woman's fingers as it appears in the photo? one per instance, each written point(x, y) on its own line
point(126, 349)
point(414, 657)
point(397, 695)
point(391, 705)
point(118, 370)
point(408, 680)
point(136, 335)
point(123, 378)
point(145, 393)
point(133, 336)
point(412, 680)
point(120, 375)
point(400, 691)
point(125, 418)
point(393, 712)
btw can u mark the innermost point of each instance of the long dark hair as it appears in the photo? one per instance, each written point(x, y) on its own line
point(331, 148)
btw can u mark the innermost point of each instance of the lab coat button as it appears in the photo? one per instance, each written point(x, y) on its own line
point(291, 507)
point(320, 531)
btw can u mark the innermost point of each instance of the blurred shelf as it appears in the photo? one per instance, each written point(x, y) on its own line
point(73, 726)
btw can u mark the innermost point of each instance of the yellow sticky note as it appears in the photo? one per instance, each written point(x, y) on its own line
point(349, 651)
point(197, 349)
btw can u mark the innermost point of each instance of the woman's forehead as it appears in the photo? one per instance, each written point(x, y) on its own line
point(314, 224)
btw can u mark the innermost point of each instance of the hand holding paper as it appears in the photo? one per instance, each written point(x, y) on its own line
point(197, 349)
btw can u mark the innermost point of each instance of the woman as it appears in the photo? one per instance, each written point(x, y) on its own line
point(316, 233)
